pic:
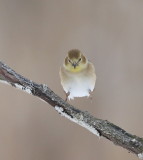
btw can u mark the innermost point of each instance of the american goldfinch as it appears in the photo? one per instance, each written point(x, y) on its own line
point(77, 75)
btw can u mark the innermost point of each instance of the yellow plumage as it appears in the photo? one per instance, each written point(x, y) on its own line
point(77, 75)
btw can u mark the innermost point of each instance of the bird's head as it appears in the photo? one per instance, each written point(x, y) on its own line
point(75, 61)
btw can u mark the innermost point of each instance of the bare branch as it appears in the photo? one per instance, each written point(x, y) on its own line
point(97, 126)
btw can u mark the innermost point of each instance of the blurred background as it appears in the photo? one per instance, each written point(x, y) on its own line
point(35, 36)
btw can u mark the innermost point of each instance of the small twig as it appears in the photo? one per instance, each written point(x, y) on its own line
point(97, 126)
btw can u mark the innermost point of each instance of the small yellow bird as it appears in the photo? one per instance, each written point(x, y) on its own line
point(77, 75)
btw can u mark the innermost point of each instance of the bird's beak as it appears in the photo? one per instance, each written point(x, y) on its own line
point(74, 65)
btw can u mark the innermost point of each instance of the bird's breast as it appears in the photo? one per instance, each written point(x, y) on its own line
point(79, 86)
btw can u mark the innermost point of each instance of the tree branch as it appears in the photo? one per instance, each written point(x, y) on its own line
point(97, 126)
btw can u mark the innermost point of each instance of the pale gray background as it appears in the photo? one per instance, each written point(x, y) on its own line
point(35, 36)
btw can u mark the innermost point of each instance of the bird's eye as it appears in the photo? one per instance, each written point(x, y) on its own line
point(69, 61)
point(80, 59)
